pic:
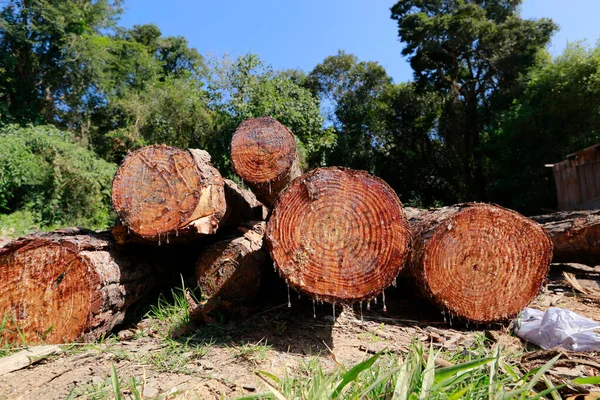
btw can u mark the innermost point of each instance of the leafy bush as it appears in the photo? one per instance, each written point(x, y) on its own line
point(45, 173)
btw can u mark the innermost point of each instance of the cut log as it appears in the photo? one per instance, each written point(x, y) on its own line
point(575, 235)
point(338, 235)
point(62, 286)
point(230, 270)
point(241, 206)
point(161, 190)
point(264, 155)
point(479, 262)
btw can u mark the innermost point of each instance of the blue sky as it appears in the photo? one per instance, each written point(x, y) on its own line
point(301, 34)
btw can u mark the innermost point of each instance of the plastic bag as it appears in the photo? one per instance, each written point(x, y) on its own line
point(558, 327)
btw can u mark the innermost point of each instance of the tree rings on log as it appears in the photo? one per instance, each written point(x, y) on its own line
point(339, 235)
point(59, 287)
point(161, 190)
point(264, 155)
point(479, 262)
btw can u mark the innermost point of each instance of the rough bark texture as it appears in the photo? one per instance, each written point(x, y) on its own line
point(479, 262)
point(62, 286)
point(264, 155)
point(162, 190)
point(575, 235)
point(338, 235)
point(230, 270)
point(242, 206)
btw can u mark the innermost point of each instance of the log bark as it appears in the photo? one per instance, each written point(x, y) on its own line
point(62, 286)
point(575, 235)
point(160, 191)
point(339, 235)
point(230, 270)
point(264, 155)
point(479, 262)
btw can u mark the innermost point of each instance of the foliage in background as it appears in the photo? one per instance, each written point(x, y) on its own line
point(48, 180)
point(487, 110)
point(473, 53)
point(558, 114)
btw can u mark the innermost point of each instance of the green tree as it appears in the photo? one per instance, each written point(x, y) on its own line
point(247, 88)
point(473, 52)
point(558, 114)
point(411, 156)
point(42, 79)
point(46, 177)
point(351, 94)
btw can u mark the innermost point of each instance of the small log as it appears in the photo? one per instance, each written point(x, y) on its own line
point(575, 235)
point(479, 262)
point(27, 357)
point(160, 191)
point(241, 206)
point(264, 155)
point(338, 235)
point(62, 286)
point(230, 270)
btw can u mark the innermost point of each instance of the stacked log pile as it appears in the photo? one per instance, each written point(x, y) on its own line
point(334, 234)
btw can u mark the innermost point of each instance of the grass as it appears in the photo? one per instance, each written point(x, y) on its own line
point(415, 375)
point(482, 371)
point(251, 351)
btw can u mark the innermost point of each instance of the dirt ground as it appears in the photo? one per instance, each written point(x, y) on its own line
point(220, 361)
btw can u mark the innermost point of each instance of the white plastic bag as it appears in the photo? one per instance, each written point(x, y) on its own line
point(558, 327)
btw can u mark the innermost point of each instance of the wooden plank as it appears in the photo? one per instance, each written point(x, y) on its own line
point(25, 358)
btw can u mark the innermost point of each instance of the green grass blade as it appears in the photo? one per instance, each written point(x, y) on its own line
point(461, 393)
point(550, 390)
point(445, 373)
point(592, 380)
point(494, 368)
point(275, 392)
point(402, 382)
point(115, 382)
point(353, 373)
point(134, 389)
point(382, 378)
point(534, 380)
point(428, 375)
point(270, 376)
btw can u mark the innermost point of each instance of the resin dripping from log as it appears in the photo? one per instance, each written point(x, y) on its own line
point(338, 235)
point(230, 270)
point(264, 155)
point(575, 235)
point(162, 190)
point(479, 262)
point(62, 286)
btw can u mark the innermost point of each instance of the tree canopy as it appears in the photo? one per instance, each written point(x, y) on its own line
point(487, 107)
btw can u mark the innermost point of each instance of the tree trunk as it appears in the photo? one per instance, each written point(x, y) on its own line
point(479, 262)
point(575, 235)
point(230, 270)
point(264, 155)
point(160, 191)
point(338, 235)
point(62, 286)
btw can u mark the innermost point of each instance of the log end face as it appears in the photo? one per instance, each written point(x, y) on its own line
point(338, 235)
point(262, 151)
point(160, 189)
point(46, 291)
point(485, 263)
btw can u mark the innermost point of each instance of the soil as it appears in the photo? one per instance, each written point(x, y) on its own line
point(222, 359)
